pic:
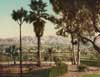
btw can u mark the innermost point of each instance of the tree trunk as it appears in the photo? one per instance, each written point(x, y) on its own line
point(74, 55)
point(14, 60)
point(38, 52)
point(8, 61)
point(73, 52)
point(78, 52)
point(50, 59)
point(20, 38)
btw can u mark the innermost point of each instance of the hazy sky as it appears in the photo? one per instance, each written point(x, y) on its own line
point(9, 28)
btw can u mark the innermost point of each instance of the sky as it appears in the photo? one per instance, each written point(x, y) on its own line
point(9, 28)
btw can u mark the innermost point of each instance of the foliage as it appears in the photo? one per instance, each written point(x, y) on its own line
point(79, 17)
point(19, 15)
point(48, 55)
point(50, 72)
point(57, 60)
point(37, 14)
point(81, 67)
point(12, 51)
point(58, 70)
point(95, 63)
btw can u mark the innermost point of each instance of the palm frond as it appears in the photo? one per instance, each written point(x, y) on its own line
point(14, 15)
point(19, 15)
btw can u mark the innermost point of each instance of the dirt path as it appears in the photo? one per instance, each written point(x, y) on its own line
point(72, 74)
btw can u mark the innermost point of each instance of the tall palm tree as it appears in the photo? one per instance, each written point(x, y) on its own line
point(37, 17)
point(19, 16)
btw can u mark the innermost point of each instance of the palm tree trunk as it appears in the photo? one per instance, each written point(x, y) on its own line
point(78, 53)
point(20, 51)
point(38, 52)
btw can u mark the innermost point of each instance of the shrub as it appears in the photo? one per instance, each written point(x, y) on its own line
point(50, 72)
point(57, 61)
point(81, 68)
point(58, 70)
point(91, 63)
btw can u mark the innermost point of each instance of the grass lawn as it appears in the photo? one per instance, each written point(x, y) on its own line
point(91, 75)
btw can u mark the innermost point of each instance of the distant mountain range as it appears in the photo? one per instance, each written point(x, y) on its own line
point(32, 41)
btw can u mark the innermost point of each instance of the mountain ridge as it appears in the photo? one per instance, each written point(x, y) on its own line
point(29, 40)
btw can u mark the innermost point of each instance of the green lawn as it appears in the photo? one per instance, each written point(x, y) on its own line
point(91, 75)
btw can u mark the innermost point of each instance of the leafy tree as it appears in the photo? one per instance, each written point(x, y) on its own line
point(19, 17)
point(66, 24)
point(12, 51)
point(93, 7)
point(78, 18)
point(49, 54)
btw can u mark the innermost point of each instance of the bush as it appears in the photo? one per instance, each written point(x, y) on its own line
point(58, 70)
point(50, 72)
point(81, 68)
point(91, 63)
point(57, 61)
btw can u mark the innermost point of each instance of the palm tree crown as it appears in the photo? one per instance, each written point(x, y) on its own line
point(37, 16)
point(19, 15)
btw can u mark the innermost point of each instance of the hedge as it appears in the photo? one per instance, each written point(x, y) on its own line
point(91, 63)
point(58, 70)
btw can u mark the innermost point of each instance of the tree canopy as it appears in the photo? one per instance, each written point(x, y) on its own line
point(79, 17)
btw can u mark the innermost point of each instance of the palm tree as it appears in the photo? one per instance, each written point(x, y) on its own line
point(37, 17)
point(19, 16)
